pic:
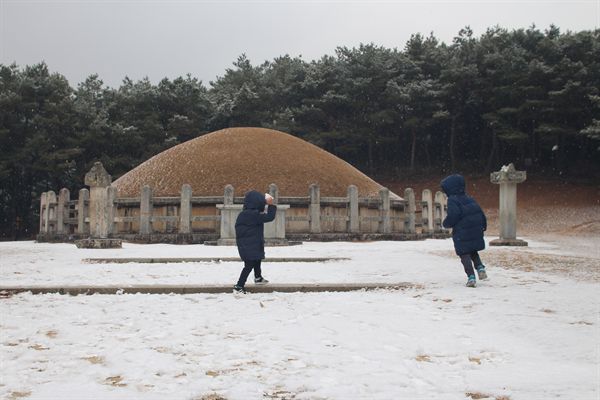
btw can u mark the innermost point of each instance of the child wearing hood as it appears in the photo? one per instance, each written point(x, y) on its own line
point(468, 222)
point(249, 236)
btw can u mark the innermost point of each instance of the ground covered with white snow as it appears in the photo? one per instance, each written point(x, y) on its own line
point(532, 331)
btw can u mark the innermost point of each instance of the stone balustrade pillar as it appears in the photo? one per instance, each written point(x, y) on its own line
point(274, 192)
point(82, 212)
point(410, 211)
point(275, 230)
point(43, 212)
point(439, 211)
point(185, 207)
point(315, 208)
point(353, 214)
point(111, 196)
point(229, 214)
point(50, 219)
point(146, 210)
point(385, 226)
point(426, 212)
point(64, 196)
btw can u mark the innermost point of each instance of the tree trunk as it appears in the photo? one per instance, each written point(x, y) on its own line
point(483, 147)
point(534, 144)
point(560, 159)
point(427, 155)
point(413, 149)
point(492, 155)
point(370, 155)
point(452, 140)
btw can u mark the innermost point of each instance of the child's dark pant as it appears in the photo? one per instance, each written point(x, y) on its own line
point(468, 260)
point(249, 266)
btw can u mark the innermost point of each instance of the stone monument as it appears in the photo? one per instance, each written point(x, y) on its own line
point(508, 178)
point(101, 210)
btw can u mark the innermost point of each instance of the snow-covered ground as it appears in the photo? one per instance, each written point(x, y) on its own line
point(526, 333)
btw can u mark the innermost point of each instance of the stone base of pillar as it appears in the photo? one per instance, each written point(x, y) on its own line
point(221, 242)
point(508, 242)
point(268, 242)
point(99, 244)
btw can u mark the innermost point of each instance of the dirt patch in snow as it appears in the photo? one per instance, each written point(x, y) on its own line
point(18, 395)
point(576, 267)
point(212, 396)
point(479, 395)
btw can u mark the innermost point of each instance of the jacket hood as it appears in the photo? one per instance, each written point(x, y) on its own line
point(453, 185)
point(254, 201)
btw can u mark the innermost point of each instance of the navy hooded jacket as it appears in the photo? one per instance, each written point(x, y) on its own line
point(465, 217)
point(249, 226)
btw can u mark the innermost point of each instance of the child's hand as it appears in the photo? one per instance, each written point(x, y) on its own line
point(268, 199)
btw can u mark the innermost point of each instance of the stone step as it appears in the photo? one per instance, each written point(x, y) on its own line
point(165, 260)
point(190, 289)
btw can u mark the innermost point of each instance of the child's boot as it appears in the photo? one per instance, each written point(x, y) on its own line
point(481, 272)
point(239, 290)
point(471, 281)
point(260, 281)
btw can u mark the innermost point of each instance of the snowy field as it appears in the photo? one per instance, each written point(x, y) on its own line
point(532, 331)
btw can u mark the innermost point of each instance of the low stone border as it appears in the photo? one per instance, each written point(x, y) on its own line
point(179, 289)
point(99, 244)
point(166, 260)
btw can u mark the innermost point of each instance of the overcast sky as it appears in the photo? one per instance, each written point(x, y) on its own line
point(158, 39)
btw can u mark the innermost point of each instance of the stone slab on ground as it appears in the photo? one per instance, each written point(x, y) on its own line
point(180, 289)
point(168, 260)
point(269, 242)
point(508, 242)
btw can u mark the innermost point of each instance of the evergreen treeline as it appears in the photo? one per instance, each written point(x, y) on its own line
point(522, 96)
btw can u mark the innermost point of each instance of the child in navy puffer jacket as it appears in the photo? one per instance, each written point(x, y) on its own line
point(468, 222)
point(249, 236)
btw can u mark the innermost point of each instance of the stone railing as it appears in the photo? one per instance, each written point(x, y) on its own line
point(188, 218)
point(99, 213)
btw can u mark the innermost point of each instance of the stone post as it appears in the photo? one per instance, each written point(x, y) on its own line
point(353, 220)
point(508, 178)
point(315, 208)
point(275, 230)
point(146, 211)
point(82, 212)
point(439, 211)
point(426, 211)
point(385, 226)
point(50, 212)
point(229, 214)
point(274, 191)
point(228, 195)
point(409, 211)
point(43, 212)
point(64, 196)
point(185, 207)
point(111, 196)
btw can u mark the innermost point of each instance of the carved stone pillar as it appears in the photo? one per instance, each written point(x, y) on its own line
point(508, 178)
point(101, 210)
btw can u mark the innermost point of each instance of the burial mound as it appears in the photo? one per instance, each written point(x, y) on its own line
point(247, 158)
